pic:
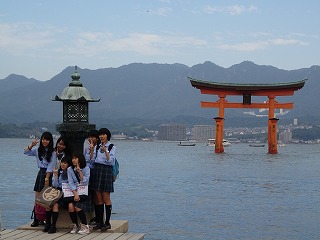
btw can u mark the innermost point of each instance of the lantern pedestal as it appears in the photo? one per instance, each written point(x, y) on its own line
point(76, 133)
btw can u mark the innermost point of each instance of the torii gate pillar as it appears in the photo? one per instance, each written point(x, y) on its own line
point(272, 136)
point(219, 135)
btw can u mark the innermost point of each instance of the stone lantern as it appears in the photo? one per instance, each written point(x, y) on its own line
point(75, 126)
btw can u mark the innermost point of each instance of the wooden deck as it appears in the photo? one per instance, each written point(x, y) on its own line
point(118, 231)
point(117, 226)
point(62, 235)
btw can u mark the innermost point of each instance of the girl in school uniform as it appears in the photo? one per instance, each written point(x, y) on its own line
point(63, 149)
point(46, 160)
point(90, 153)
point(90, 150)
point(102, 182)
point(59, 176)
point(79, 172)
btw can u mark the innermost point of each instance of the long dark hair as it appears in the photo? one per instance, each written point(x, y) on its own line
point(68, 149)
point(82, 160)
point(42, 151)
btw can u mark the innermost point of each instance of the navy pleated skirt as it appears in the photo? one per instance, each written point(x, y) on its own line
point(102, 179)
point(40, 180)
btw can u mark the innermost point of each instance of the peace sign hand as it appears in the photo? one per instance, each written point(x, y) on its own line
point(35, 142)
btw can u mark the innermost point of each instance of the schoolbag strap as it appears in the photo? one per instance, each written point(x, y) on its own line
point(77, 175)
point(110, 147)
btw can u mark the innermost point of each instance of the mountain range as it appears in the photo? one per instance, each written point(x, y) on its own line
point(153, 92)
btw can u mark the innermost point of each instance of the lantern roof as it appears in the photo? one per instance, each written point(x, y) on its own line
point(75, 91)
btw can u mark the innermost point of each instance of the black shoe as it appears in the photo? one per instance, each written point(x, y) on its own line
point(92, 220)
point(105, 227)
point(52, 229)
point(97, 226)
point(42, 223)
point(46, 228)
point(35, 223)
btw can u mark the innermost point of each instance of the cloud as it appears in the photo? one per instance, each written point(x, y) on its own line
point(164, 11)
point(28, 39)
point(281, 41)
point(231, 10)
point(22, 37)
point(258, 45)
point(147, 44)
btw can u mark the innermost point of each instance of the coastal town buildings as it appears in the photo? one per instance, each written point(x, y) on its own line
point(202, 133)
point(172, 132)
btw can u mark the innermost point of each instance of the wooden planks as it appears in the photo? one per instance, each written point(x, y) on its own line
point(117, 226)
point(64, 235)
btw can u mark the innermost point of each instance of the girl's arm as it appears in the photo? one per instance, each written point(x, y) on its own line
point(72, 179)
point(72, 183)
point(47, 178)
point(85, 173)
point(29, 147)
point(55, 178)
point(112, 155)
point(52, 164)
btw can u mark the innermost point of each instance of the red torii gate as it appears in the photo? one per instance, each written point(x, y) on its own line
point(247, 90)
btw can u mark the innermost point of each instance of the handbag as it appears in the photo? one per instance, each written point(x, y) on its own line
point(81, 189)
point(39, 212)
point(48, 197)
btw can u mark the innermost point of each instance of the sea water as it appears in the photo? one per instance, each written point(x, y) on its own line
point(188, 192)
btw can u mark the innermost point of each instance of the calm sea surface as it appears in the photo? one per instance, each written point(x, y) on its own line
point(173, 192)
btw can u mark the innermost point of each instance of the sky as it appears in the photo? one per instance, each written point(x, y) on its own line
point(40, 38)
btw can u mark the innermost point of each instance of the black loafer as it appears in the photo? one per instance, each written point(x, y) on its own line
point(97, 227)
point(42, 223)
point(52, 229)
point(46, 228)
point(35, 223)
point(105, 227)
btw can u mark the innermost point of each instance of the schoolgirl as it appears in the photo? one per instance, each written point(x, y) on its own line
point(59, 176)
point(90, 153)
point(62, 149)
point(46, 160)
point(78, 173)
point(90, 150)
point(102, 182)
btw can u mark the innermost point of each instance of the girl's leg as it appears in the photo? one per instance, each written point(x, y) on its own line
point(106, 198)
point(55, 215)
point(35, 222)
point(73, 216)
point(108, 205)
point(82, 216)
point(99, 208)
point(95, 202)
point(48, 221)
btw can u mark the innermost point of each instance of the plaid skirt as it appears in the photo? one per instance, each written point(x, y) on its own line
point(81, 204)
point(102, 179)
point(40, 180)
